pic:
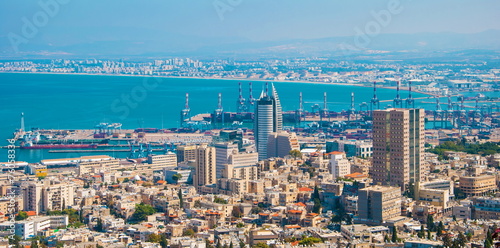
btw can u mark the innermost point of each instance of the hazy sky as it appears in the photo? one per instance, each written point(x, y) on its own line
point(253, 20)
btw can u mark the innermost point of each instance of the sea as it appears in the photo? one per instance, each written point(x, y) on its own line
point(72, 101)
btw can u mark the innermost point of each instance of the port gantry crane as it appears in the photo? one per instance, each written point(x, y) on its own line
point(438, 114)
point(410, 102)
point(299, 112)
point(185, 113)
point(250, 100)
point(240, 103)
point(375, 102)
point(219, 112)
point(324, 113)
point(352, 110)
point(397, 102)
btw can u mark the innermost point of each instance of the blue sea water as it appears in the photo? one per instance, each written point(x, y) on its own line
point(73, 101)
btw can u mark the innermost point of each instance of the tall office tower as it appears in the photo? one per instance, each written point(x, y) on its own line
point(398, 143)
point(205, 169)
point(222, 152)
point(279, 144)
point(268, 119)
point(376, 204)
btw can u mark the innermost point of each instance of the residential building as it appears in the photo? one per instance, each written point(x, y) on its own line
point(478, 185)
point(376, 204)
point(352, 148)
point(398, 142)
point(186, 153)
point(279, 144)
point(205, 167)
point(339, 165)
point(222, 153)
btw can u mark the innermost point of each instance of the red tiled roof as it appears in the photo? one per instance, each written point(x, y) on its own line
point(355, 175)
point(295, 211)
point(305, 189)
point(31, 213)
point(300, 204)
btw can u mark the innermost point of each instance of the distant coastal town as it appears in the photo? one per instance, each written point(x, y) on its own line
point(427, 78)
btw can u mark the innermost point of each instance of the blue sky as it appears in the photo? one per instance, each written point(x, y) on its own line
point(257, 20)
point(148, 26)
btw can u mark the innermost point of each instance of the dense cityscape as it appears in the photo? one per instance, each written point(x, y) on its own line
point(249, 124)
point(389, 183)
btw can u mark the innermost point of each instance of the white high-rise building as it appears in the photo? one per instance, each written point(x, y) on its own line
point(339, 164)
point(222, 153)
point(268, 119)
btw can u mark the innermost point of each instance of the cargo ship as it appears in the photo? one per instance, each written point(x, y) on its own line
point(56, 146)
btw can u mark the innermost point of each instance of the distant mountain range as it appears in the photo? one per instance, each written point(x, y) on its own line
point(109, 43)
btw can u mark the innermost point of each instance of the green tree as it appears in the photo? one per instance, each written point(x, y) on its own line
point(308, 241)
point(421, 232)
point(163, 241)
point(447, 242)
point(439, 229)
point(317, 206)
point(176, 177)
point(154, 238)
point(21, 215)
point(237, 212)
point(394, 237)
point(142, 211)
point(181, 199)
point(99, 226)
point(316, 199)
point(240, 225)
point(488, 242)
point(188, 232)
point(460, 241)
point(15, 241)
point(295, 154)
point(261, 245)
point(34, 244)
point(220, 200)
point(430, 222)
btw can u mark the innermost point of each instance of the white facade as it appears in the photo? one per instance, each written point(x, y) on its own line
point(222, 153)
point(339, 164)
